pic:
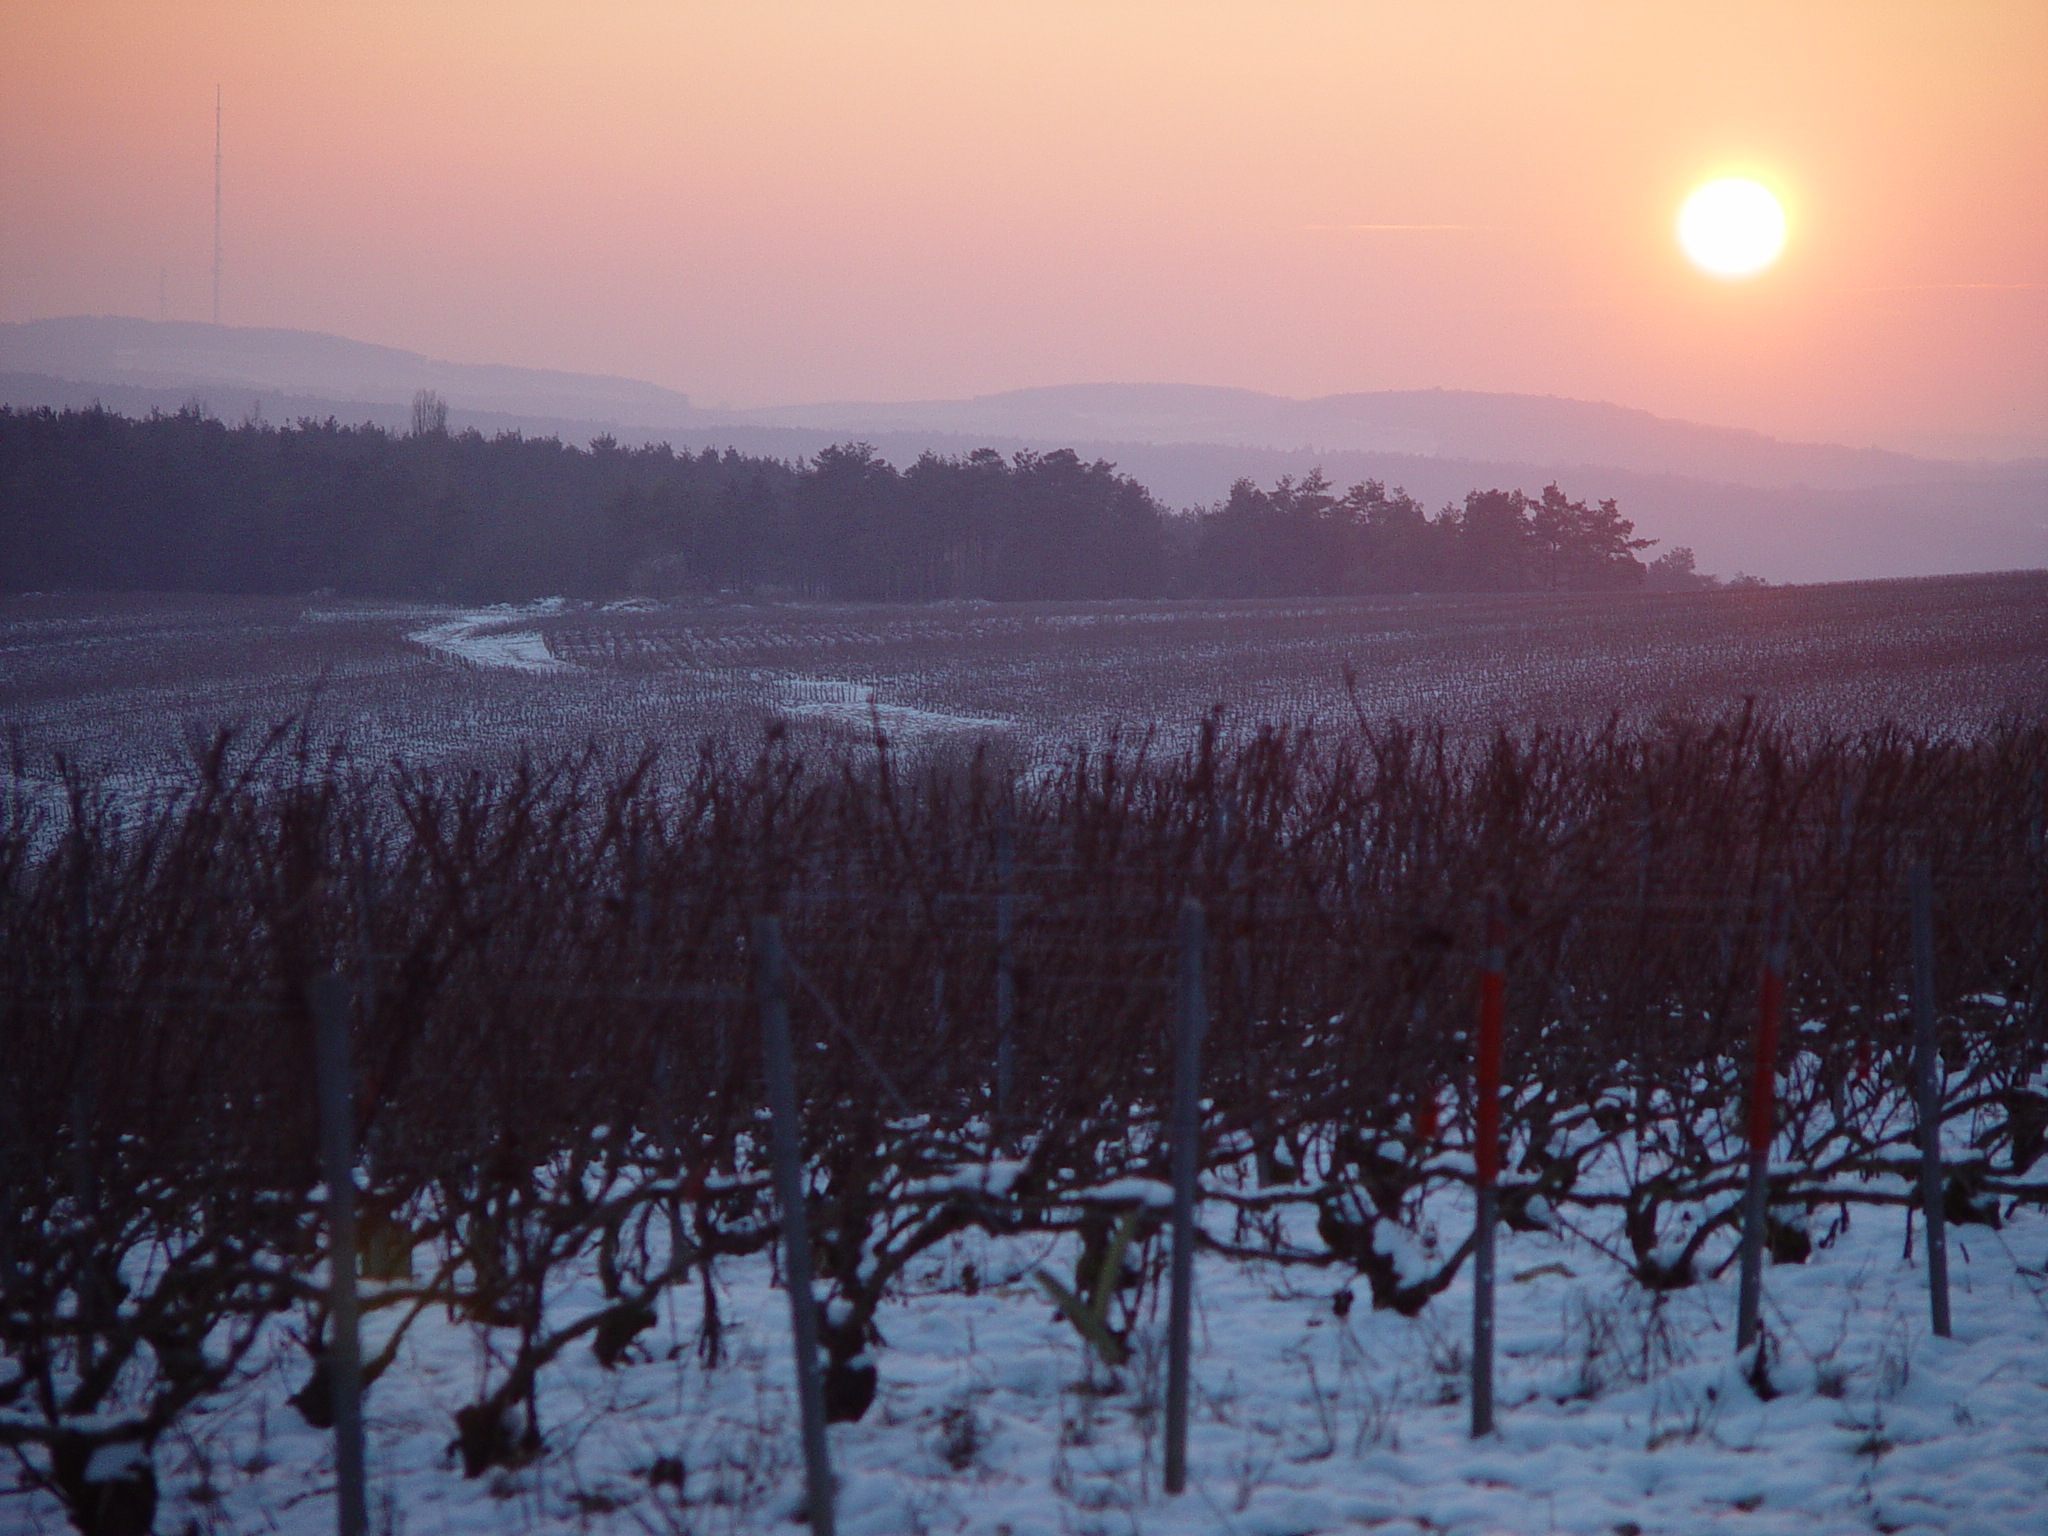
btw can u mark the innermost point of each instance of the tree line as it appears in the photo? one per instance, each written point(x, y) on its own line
point(95, 500)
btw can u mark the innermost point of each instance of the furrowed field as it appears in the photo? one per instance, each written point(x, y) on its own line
point(125, 681)
point(982, 859)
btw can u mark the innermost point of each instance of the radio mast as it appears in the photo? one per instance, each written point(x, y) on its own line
point(216, 205)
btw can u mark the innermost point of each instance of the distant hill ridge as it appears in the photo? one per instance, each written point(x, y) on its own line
point(1742, 500)
point(181, 355)
point(1434, 423)
point(1537, 430)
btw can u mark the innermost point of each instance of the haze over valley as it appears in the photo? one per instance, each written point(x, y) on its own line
point(1741, 500)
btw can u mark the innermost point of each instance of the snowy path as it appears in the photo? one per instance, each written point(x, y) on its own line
point(480, 637)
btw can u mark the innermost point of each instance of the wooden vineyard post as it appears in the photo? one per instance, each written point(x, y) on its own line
point(1493, 983)
point(1927, 1094)
point(787, 1154)
point(334, 1083)
point(1191, 1022)
point(1763, 1087)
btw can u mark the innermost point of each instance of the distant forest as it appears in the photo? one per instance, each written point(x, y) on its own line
point(94, 500)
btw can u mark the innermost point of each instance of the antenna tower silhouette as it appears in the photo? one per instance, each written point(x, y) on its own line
point(216, 205)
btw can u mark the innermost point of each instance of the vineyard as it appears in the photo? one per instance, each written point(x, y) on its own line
point(129, 683)
point(560, 982)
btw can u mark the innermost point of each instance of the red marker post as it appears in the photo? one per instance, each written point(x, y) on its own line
point(1763, 1092)
point(1493, 991)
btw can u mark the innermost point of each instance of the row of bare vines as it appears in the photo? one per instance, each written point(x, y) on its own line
point(559, 1070)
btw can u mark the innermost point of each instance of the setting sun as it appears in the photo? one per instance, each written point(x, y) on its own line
point(1732, 227)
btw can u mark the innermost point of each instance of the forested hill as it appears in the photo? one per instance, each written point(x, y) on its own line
point(94, 500)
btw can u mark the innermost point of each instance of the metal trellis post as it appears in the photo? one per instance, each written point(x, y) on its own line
point(1928, 1095)
point(1763, 1086)
point(1486, 1154)
point(1192, 1019)
point(330, 997)
point(1006, 969)
point(773, 998)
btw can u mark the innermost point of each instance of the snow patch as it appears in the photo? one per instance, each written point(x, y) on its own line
point(994, 1178)
point(1618, 1408)
point(478, 637)
point(1128, 1191)
point(855, 704)
point(1396, 1243)
point(112, 1462)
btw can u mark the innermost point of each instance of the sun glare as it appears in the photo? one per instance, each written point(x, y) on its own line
point(1732, 227)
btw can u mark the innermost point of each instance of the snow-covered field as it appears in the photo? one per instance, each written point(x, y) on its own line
point(128, 681)
point(858, 706)
point(486, 638)
point(1621, 1412)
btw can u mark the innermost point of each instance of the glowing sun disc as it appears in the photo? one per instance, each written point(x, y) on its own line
point(1732, 228)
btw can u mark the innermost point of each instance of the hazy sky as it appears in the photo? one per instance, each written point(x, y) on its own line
point(770, 202)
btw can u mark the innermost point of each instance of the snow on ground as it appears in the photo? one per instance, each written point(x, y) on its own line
point(856, 704)
point(481, 638)
point(1620, 1413)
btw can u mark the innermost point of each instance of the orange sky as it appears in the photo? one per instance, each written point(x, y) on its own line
point(769, 202)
